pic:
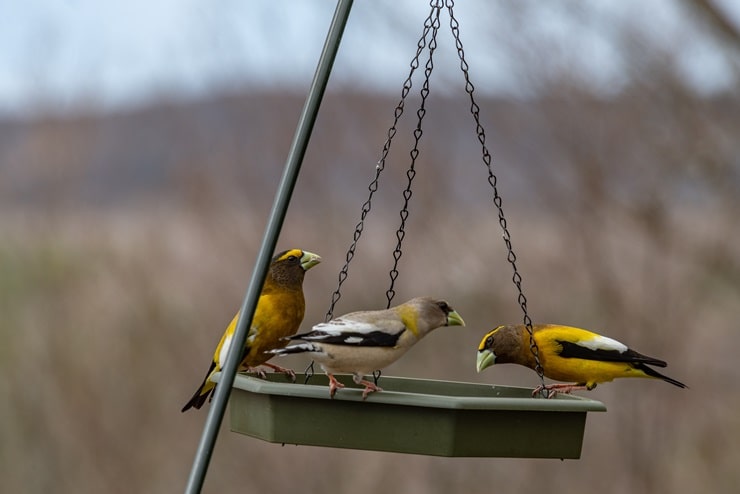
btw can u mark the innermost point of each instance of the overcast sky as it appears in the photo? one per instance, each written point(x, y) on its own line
point(57, 54)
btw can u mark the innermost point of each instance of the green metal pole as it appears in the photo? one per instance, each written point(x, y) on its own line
point(272, 231)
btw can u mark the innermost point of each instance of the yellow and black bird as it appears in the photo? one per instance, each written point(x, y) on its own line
point(569, 354)
point(362, 342)
point(278, 315)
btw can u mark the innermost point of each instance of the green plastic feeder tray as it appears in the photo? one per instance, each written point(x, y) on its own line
point(420, 416)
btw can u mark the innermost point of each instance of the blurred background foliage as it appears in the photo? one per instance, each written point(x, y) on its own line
point(128, 236)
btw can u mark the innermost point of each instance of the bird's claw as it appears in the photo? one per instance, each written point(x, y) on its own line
point(334, 385)
point(369, 388)
point(552, 390)
point(283, 370)
point(260, 373)
point(548, 393)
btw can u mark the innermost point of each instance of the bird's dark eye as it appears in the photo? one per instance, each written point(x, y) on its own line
point(445, 308)
point(292, 258)
point(489, 342)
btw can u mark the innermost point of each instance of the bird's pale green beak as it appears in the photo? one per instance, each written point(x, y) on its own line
point(486, 358)
point(454, 319)
point(309, 260)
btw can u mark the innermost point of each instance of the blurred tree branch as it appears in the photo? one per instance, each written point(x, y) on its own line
point(719, 20)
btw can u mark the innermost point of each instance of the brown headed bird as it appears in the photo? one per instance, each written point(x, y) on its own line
point(567, 354)
point(278, 315)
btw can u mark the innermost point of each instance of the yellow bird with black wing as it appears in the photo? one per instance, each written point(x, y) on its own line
point(278, 315)
point(582, 358)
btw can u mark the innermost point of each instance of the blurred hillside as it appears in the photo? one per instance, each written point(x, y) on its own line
point(213, 151)
point(128, 239)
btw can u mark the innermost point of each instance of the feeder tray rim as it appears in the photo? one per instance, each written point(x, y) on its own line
point(565, 403)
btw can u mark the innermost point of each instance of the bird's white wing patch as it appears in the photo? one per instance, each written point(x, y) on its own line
point(224, 350)
point(603, 343)
point(341, 326)
point(251, 336)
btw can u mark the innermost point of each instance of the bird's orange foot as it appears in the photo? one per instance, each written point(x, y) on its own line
point(283, 370)
point(369, 388)
point(260, 373)
point(554, 389)
point(334, 385)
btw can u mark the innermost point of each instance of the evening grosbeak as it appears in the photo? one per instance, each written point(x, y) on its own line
point(278, 314)
point(567, 354)
point(363, 342)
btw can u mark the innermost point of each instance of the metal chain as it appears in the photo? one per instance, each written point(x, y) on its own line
point(376, 376)
point(418, 132)
point(373, 187)
point(497, 201)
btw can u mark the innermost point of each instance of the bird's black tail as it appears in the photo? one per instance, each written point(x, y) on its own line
point(199, 398)
point(653, 373)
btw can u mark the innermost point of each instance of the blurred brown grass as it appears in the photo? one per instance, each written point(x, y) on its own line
point(110, 319)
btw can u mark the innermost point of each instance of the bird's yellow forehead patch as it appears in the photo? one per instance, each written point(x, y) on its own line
point(293, 252)
point(484, 340)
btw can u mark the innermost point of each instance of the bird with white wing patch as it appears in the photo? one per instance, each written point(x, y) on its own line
point(567, 354)
point(363, 342)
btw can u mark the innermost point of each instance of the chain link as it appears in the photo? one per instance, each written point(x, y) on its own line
point(432, 24)
point(418, 132)
point(374, 184)
point(497, 201)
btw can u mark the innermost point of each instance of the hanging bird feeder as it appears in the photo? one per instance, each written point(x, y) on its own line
point(415, 415)
point(419, 416)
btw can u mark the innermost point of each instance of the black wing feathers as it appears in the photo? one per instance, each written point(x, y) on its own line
point(573, 350)
point(371, 339)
